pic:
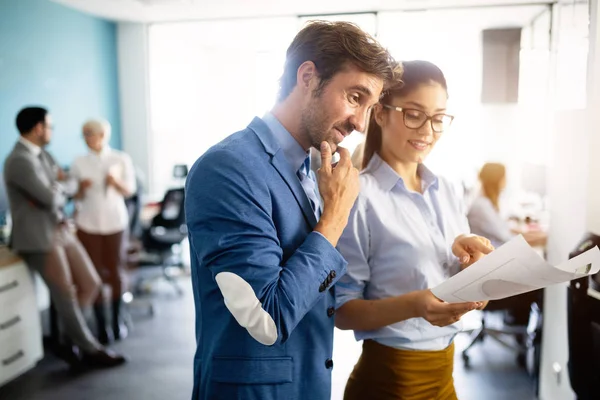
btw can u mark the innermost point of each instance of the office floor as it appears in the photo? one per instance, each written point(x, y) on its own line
point(161, 350)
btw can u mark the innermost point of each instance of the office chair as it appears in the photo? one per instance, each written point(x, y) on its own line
point(515, 323)
point(583, 321)
point(162, 239)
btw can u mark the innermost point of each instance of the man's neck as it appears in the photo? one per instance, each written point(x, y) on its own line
point(32, 141)
point(289, 117)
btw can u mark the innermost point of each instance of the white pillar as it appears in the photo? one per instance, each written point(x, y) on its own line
point(593, 108)
point(132, 47)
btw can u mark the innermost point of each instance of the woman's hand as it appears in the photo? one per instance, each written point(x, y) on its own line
point(440, 313)
point(84, 184)
point(471, 248)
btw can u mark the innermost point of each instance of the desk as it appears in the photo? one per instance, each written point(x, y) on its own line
point(20, 327)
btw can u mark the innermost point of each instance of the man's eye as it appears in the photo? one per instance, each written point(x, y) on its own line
point(354, 98)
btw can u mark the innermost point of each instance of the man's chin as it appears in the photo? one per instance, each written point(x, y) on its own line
point(331, 143)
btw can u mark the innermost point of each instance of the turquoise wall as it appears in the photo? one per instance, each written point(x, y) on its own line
point(63, 60)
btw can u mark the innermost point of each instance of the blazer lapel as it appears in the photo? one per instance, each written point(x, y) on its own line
point(282, 165)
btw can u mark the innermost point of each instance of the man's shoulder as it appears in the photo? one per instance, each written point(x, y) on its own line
point(17, 154)
point(238, 150)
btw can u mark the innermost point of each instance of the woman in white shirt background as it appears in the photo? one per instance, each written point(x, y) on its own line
point(484, 214)
point(106, 177)
point(407, 233)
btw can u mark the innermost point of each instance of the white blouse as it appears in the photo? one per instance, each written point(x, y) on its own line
point(102, 209)
point(486, 221)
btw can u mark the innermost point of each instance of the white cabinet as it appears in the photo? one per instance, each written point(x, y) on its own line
point(20, 327)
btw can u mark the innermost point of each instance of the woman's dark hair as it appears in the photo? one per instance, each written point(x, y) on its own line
point(332, 46)
point(415, 73)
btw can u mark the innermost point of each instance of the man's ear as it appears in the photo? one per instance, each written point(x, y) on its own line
point(307, 77)
point(38, 129)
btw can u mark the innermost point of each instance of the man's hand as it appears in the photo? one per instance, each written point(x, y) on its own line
point(471, 248)
point(339, 186)
point(439, 313)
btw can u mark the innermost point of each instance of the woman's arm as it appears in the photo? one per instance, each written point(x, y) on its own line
point(366, 315)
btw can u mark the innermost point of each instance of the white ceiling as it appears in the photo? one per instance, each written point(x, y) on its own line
point(482, 11)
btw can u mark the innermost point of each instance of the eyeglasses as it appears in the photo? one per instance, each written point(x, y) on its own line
point(416, 119)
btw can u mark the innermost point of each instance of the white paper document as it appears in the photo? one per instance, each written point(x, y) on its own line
point(512, 269)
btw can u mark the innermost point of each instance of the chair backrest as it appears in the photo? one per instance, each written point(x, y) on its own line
point(583, 321)
point(172, 213)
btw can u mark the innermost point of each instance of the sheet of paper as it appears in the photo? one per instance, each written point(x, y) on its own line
point(512, 269)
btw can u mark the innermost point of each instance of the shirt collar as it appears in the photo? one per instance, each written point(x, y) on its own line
point(102, 153)
point(32, 147)
point(388, 178)
point(291, 148)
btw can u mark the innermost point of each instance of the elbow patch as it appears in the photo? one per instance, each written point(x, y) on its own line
point(242, 303)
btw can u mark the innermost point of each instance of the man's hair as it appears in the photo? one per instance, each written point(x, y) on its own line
point(29, 117)
point(332, 46)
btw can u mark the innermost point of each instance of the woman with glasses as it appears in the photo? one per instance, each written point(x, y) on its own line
point(407, 233)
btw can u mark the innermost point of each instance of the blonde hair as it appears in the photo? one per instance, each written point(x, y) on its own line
point(491, 176)
point(98, 126)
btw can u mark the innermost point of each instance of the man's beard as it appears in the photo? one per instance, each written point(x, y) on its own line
point(314, 125)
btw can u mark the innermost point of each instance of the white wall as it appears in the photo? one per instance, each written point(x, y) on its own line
point(567, 192)
point(593, 204)
point(132, 47)
point(574, 186)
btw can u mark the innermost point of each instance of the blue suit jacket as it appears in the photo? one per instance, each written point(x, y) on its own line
point(248, 214)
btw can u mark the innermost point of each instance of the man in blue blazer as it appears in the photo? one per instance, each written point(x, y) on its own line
point(263, 240)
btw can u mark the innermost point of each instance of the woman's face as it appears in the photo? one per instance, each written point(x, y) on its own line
point(404, 144)
point(93, 139)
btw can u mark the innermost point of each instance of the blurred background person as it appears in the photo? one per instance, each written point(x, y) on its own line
point(106, 178)
point(41, 236)
point(484, 214)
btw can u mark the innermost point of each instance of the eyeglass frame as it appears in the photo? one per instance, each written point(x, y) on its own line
point(428, 119)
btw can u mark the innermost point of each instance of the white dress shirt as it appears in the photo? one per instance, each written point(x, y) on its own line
point(398, 241)
point(102, 209)
point(34, 148)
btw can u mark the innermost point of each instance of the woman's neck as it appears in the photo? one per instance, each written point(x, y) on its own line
point(408, 171)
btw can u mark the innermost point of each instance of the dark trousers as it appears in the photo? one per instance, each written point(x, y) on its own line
point(108, 255)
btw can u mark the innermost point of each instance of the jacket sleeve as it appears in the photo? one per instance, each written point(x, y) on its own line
point(229, 217)
point(21, 174)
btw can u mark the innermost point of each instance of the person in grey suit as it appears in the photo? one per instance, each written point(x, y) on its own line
point(42, 238)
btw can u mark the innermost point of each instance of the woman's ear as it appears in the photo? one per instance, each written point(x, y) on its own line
point(379, 114)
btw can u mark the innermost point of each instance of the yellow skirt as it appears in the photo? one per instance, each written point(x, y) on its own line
point(386, 373)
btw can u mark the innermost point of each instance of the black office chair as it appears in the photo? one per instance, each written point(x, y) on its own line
point(162, 239)
point(583, 319)
point(517, 310)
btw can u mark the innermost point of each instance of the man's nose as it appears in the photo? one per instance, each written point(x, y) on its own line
point(359, 120)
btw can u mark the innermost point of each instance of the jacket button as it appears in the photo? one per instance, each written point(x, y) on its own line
point(330, 312)
point(329, 363)
point(322, 287)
